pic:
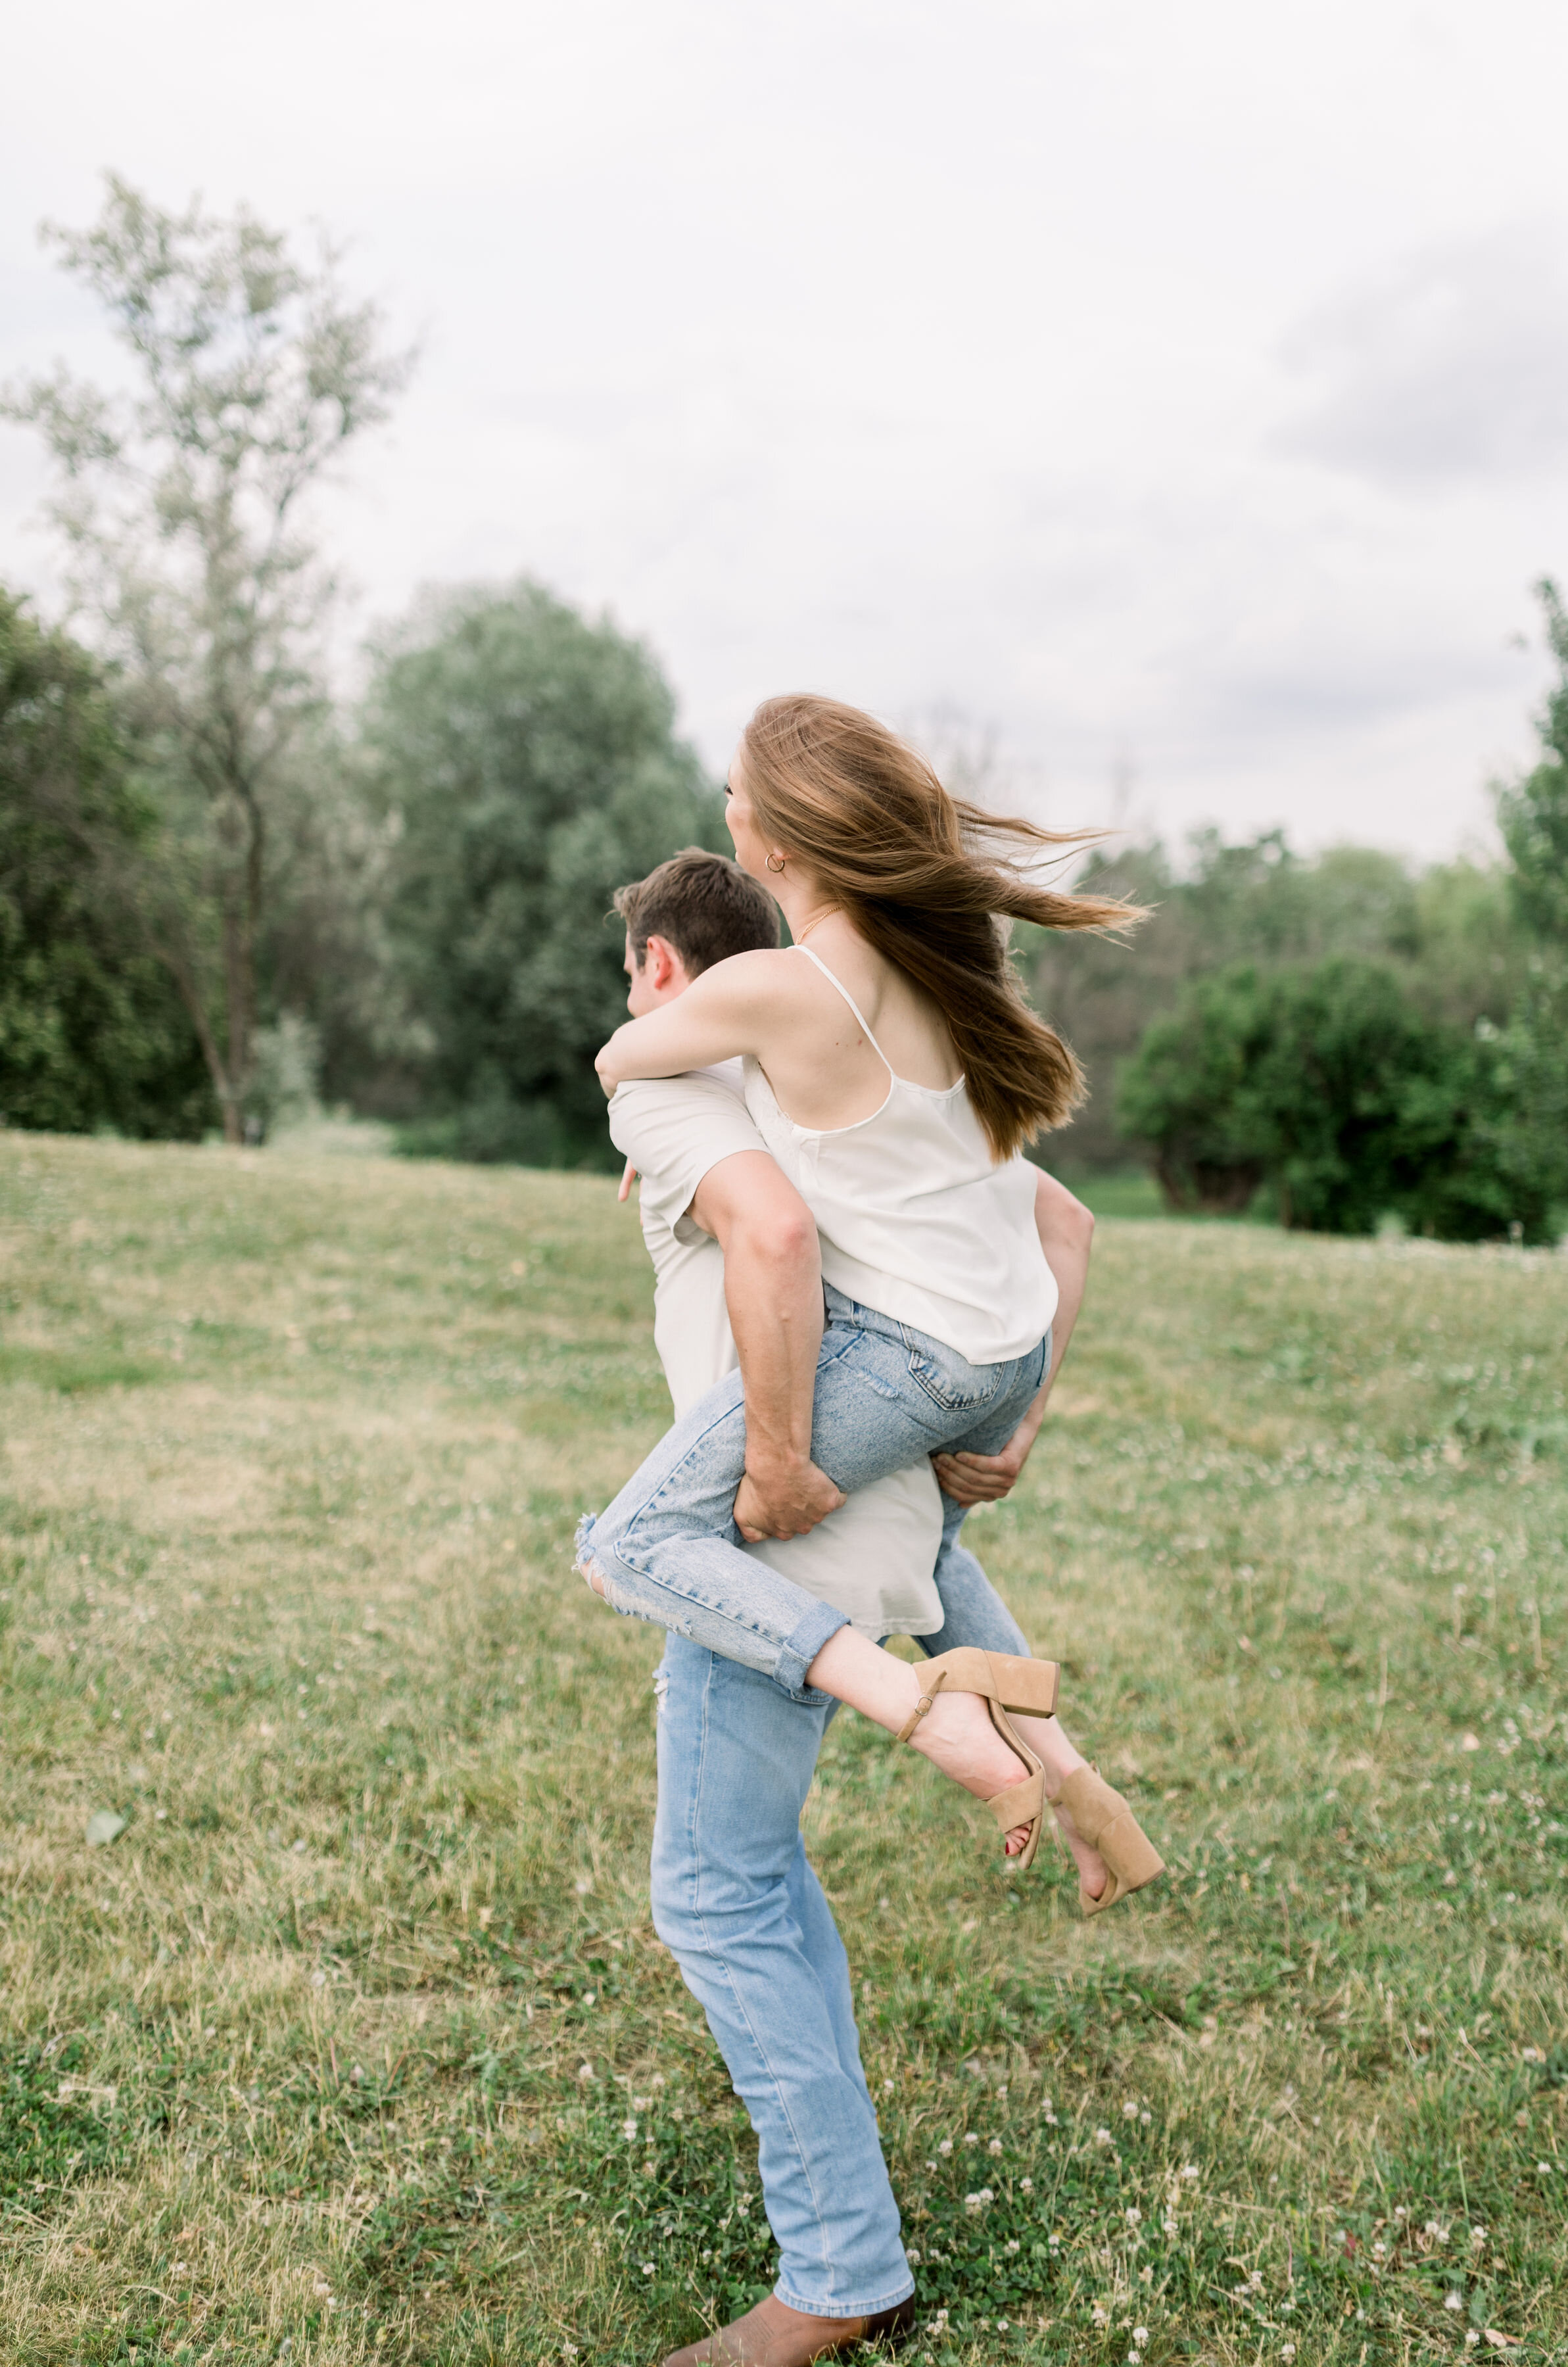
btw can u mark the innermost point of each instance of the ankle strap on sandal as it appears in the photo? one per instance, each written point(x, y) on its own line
point(922, 1707)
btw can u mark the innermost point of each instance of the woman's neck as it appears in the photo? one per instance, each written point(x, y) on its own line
point(802, 904)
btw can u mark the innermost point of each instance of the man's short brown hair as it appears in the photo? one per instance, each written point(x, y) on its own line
point(703, 906)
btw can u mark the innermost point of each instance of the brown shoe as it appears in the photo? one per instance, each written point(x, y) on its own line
point(773, 2335)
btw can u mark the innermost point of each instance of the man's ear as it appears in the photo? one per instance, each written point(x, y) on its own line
point(660, 963)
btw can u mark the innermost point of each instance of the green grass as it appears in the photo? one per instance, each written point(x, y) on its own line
point(333, 2046)
point(1118, 1192)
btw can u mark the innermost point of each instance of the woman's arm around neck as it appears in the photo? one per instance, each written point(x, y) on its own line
point(731, 1008)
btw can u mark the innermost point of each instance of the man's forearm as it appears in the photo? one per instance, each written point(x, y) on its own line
point(773, 1287)
point(1066, 1237)
point(775, 1312)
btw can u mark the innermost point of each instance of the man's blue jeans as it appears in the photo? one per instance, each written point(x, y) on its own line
point(668, 1549)
point(743, 1914)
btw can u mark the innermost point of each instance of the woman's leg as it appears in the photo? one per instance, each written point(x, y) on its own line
point(974, 1613)
point(667, 1549)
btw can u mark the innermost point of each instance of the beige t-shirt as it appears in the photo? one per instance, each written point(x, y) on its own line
point(873, 1557)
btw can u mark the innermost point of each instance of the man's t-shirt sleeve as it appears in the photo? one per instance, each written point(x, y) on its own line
point(674, 1130)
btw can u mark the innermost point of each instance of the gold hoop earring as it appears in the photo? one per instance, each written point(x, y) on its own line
point(771, 865)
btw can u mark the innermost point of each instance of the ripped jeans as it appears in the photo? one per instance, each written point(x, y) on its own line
point(667, 1550)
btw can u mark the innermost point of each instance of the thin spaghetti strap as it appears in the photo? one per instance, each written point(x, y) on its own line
point(855, 1006)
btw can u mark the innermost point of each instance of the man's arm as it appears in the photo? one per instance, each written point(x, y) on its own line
point(1066, 1234)
point(773, 1286)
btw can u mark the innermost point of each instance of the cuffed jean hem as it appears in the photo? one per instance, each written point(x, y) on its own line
point(873, 2309)
point(635, 1594)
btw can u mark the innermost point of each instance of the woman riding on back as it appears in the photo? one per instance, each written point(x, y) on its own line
point(895, 1071)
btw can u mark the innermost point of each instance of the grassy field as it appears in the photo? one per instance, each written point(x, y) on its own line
point(328, 2051)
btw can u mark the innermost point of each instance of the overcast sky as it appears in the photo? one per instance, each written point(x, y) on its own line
point(1181, 393)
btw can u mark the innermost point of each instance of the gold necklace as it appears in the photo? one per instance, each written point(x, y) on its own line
point(817, 924)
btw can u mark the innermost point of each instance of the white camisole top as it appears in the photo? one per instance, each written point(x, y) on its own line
point(917, 1218)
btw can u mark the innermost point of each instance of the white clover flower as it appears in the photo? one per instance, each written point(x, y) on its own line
point(1453, 2301)
point(629, 2130)
point(1026, 2185)
point(1140, 2333)
point(1287, 2349)
point(647, 2267)
point(1255, 2281)
point(912, 2255)
point(1001, 2093)
point(946, 2145)
point(1129, 2110)
point(1133, 2215)
point(971, 2137)
point(585, 2072)
point(1472, 2341)
point(1101, 2316)
point(657, 2081)
point(1011, 2245)
point(1053, 2242)
point(975, 2204)
point(642, 2103)
point(1169, 2225)
point(1190, 2170)
point(994, 2146)
point(1135, 2359)
point(1102, 2136)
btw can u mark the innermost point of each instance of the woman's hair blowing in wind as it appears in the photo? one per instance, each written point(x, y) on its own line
point(928, 880)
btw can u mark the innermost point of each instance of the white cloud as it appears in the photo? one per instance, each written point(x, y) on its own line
point(1450, 365)
point(922, 354)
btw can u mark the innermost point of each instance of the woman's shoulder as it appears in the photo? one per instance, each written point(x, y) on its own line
point(763, 976)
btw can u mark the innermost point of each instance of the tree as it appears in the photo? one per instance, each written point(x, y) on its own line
point(1327, 1082)
point(91, 1031)
point(527, 762)
point(183, 508)
point(1189, 1095)
point(1533, 812)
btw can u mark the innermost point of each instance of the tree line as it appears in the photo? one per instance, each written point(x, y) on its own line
point(223, 889)
point(217, 885)
point(1343, 1039)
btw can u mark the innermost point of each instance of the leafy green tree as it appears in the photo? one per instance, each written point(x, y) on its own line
point(1342, 1048)
point(1533, 812)
point(183, 508)
point(92, 1033)
point(1327, 1082)
point(528, 762)
point(1254, 901)
point(1189, 1093)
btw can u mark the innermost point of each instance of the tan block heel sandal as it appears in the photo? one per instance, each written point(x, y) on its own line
point(1106, 1822)
point(1005, 1681)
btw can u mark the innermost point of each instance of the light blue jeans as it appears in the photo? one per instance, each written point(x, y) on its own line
point(668, 1549)
point(745, 1918)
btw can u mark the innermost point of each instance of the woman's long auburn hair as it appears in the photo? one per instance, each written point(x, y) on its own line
point(926, 879)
